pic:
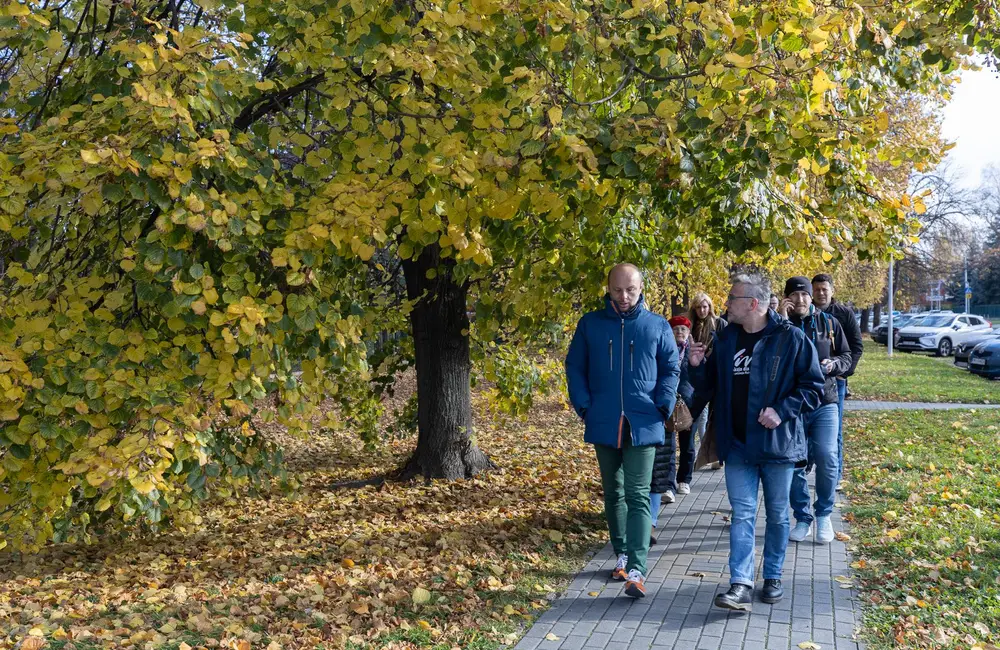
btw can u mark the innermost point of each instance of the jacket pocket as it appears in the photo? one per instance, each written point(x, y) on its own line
point(778, 443)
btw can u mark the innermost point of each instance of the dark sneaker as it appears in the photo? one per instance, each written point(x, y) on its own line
point(772, 591)
point(652, 540)
point(636, 584)
point(739, 598)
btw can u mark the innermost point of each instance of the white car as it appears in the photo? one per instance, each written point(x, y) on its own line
point(940, 333)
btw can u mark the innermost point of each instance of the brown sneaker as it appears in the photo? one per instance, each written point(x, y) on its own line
point(635, 585)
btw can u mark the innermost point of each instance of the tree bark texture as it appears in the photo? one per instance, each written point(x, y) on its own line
point(864, 319)
point(440, 327)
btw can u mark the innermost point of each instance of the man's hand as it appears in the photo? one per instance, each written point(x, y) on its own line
point(827, 365)
point(785, 307)
point(769, 418)
point(696, 354)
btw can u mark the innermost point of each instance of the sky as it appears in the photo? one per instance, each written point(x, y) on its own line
point(972, 121)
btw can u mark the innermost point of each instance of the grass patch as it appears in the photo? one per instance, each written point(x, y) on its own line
point(924, 492)
point(913, 377)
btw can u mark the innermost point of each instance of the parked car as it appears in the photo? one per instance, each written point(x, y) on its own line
point(940, 332)
point(963, 349)
point(984, 359)
point(881, 333)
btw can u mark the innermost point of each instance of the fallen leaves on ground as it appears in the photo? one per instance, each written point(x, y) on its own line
point(926, 526)
point(451, 563)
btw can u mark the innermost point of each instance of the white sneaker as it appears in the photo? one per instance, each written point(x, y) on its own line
point(824, 530)
point(683, 488)
point(668, 496)
point(800, 532)
point(840, 487)
point(618, 573)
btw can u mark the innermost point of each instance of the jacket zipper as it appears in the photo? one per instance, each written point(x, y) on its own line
point(621, 395)
point(611, 357)
point(631, 354)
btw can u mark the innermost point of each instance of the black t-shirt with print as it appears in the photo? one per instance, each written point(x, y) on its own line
point(741, 381)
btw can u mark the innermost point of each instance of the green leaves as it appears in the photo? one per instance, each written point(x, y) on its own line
point(195, 212)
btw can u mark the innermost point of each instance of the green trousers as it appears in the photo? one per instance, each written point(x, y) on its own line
point(625, 475)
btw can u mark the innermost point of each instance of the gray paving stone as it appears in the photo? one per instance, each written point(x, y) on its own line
point(597, 640)
point(678, 612)
point(573, 643)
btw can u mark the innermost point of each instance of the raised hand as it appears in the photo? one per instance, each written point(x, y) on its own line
point(696, 354)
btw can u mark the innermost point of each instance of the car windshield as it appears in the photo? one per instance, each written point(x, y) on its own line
point(935, 321)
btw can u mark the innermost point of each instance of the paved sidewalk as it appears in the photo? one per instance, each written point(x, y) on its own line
point(864, 405)
point(687, 568)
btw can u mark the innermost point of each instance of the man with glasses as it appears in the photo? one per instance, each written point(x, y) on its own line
point(764, 375)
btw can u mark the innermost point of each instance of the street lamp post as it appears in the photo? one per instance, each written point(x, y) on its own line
point(891, 341)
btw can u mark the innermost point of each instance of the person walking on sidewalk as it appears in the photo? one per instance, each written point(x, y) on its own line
point(821, 426)
point(705, 325)
point(823, 300)
point(622, 371)
point(685, 391)
point(764, 375)
point(669, 480)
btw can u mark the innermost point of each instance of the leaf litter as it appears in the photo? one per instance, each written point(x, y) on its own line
point(449, 562)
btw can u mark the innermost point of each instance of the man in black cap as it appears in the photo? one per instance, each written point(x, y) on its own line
point(821, 425)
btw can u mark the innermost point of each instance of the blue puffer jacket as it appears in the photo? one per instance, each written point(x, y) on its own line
point(787, 360)
point(623, 367)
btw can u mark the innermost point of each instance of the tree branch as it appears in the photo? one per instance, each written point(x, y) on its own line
point(268, 102)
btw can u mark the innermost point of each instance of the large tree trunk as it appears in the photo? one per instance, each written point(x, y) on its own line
point(877, 316)
point(864, 319)
point(440, 328)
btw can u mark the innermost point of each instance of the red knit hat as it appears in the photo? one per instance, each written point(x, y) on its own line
point(680, 320)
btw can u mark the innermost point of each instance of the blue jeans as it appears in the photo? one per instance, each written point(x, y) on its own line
point(841, 396)
point(821, 433)
point(654, 506)
point(701, 424)
point(742, 480)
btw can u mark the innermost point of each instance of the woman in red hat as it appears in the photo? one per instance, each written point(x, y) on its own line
point(667, 480)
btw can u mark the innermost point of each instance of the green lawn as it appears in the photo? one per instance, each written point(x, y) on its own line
point(909, 377)
point(924, 489)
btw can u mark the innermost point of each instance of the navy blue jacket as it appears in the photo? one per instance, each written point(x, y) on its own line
point(685, 390)
point(623, 367)
point(788, 359)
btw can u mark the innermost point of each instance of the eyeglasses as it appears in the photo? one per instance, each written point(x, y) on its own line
point(731, 298)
